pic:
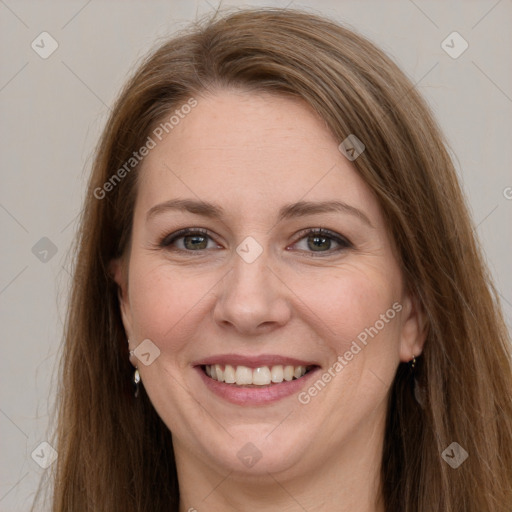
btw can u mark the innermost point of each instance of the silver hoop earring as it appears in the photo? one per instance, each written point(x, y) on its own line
point(136, 380)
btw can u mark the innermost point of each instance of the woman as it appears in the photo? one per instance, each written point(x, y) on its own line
point(276, 251)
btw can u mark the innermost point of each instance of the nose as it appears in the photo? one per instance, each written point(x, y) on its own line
point(251, 298)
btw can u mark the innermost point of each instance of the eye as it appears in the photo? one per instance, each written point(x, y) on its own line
point(189, 239)
point(320, 240)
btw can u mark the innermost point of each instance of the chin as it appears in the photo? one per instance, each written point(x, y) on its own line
point(256, 450)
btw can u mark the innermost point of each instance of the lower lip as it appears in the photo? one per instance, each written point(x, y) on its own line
point(257, 395)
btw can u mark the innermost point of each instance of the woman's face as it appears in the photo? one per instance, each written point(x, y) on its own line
point(258, 248)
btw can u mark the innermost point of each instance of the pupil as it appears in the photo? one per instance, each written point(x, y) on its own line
point(319, 242)
point(195, 242)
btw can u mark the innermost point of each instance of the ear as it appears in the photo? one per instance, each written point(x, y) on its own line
point(119, 272)
point(414, 328)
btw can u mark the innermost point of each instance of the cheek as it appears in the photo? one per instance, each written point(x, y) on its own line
point(165, 306)
point(350, 301)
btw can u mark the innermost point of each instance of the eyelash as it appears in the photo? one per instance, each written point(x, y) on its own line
point(343, 242)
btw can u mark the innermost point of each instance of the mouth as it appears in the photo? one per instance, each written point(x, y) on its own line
point(253, 381)
point(261, 376)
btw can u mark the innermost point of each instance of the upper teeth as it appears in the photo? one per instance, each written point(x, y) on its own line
point(261, 376)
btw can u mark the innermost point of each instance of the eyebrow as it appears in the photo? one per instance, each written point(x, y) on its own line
point(298, 209)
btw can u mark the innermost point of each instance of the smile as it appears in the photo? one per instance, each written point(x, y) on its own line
point(255, 380)
point(261, 376)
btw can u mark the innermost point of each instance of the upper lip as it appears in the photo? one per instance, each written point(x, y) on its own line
point(252, 361)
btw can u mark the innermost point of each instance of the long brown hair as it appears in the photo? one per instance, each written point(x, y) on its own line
point(115, 453)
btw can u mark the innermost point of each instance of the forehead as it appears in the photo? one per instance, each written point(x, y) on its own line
point(245, 150)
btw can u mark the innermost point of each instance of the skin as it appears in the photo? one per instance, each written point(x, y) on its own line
point(252, 154)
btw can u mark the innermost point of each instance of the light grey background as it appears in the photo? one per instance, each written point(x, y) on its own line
point(53, 110)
